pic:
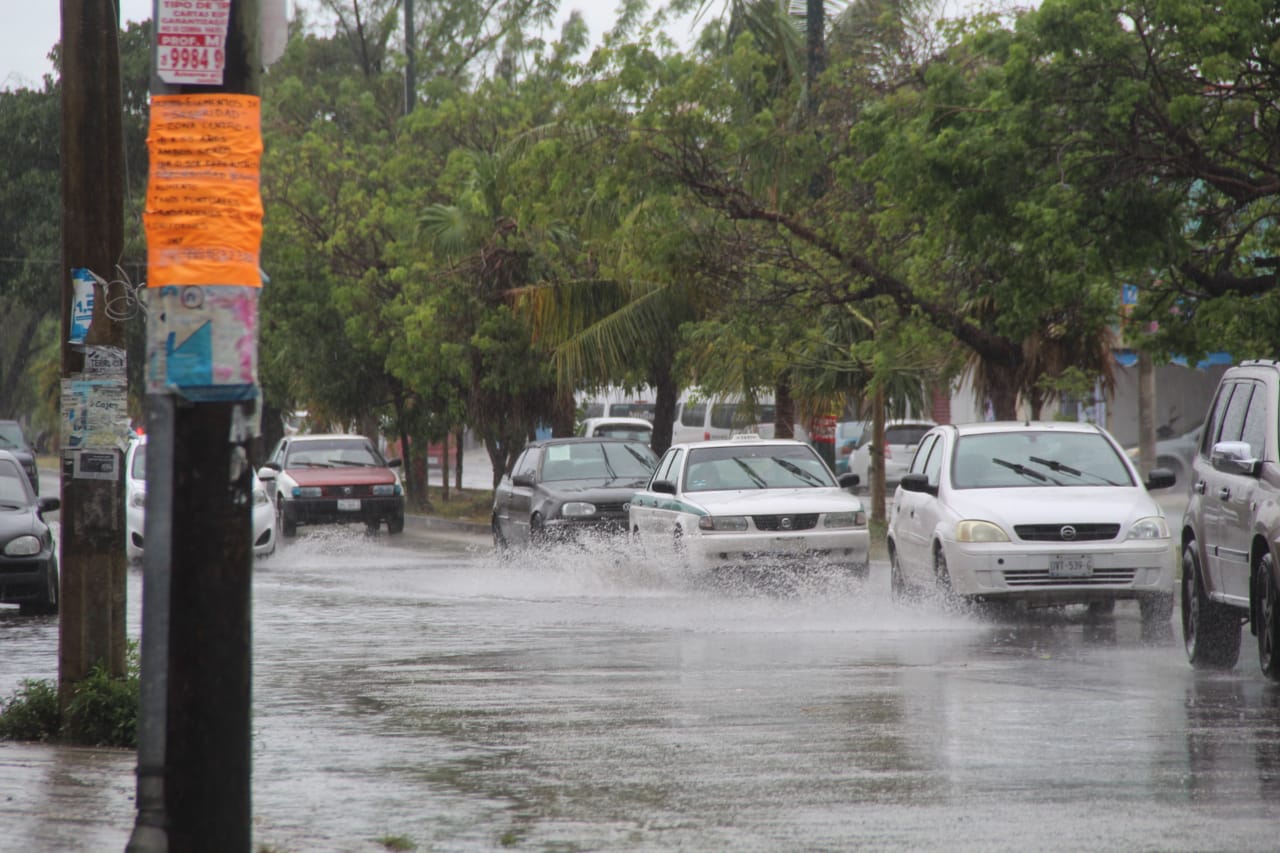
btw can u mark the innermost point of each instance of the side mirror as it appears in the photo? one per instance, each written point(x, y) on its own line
point(665, 486)
point(1233, 457)
point(917, 483)
point(48, 504)
point(273, 466)
point(848, 481)
point(525, 480)
point(267, 473)
point(1160, 478)
point(394, 463)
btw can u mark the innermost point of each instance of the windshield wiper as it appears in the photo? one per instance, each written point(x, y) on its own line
point(353, 462)
point(308, 465)
point(1055, 465)
point(1023, 470)
point(797, 471)
point(755, 478)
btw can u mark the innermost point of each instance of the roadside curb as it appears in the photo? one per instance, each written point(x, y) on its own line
point(431, 522)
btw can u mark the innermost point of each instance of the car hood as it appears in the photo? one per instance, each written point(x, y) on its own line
point(344, 476)
point(16, 522)
point(1055, 504)
point(600, 490)
point(775, 501)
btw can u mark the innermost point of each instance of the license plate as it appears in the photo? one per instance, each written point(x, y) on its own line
point(348, 504)
point(1071, 567)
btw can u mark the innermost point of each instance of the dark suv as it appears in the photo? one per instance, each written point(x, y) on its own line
point(1230, 549)
point(12, 440)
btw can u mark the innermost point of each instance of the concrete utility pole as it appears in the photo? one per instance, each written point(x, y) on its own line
point(94, 383)
point(203, 287)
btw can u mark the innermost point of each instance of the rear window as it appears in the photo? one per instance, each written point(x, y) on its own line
point(905, 434)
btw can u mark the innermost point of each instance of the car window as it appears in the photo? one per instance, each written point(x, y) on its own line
point(139, 469)
point(905, 433)
point(1255, 423)
point(693, 414)
point(933, 463)
point(922, 455)
point(755, 467)
point(11, 436)
point(632, 410)
point(1214, 421)
point(1233, 420)
point(627, 431)
point(1036, 458)
point(13, 489)
point(527, 464)
point(277, 453)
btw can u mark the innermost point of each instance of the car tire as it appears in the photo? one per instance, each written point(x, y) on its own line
point(287, 529)
point(395, 524)
point(897, 583)
point(941, 574)
point(1210, 631)
point(499, 541)
point(1267, 596)
point(48, 605)
point(537, 531)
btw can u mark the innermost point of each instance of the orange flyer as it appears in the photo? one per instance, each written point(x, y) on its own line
point(204, 211)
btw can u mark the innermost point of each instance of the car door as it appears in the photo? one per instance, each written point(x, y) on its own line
point(518, 498)
point(652, 518)
point(1217, 489)
point(911, 511)
point(1237, 495)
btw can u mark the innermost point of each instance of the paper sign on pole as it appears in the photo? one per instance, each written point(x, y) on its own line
point(191, 41)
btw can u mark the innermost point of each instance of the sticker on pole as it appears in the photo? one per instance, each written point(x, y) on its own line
point(191, 41)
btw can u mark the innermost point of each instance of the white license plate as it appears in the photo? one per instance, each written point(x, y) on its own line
point(1071, 567)
point(348, 504)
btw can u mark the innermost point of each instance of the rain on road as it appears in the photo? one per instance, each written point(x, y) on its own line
point(587, 699)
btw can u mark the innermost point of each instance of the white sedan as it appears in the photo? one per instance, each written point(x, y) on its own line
point(747, 500)
point(135, 490)
point(1044, 513)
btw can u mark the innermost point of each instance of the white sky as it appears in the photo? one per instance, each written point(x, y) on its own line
point(31, 28)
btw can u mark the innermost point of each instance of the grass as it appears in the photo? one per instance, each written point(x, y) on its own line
point(463, 505)
point(101, 711)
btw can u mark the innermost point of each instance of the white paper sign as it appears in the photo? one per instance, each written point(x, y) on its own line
point(191, 41)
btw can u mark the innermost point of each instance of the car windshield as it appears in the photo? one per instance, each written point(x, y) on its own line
point(755, 467)
point(13, 491)
point(332, 453)
point(11, 437)
point(598, 460)
point(1037, 458)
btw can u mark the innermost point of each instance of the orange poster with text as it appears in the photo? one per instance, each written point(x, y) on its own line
point(204, 212)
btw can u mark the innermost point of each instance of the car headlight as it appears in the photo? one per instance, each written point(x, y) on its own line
point(23, 546)
point(577, 509)
point(980, 531)
point(384, 490)
point(845, 519)
point(260, 497)
point(306, 491)
point(138, 500)
point(1151, 527)
point(722, 522)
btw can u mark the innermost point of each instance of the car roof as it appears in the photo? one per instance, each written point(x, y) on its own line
point(584, 439)
point(326, 436)
point(984, 427)
point(744, 439)
point(620, 421)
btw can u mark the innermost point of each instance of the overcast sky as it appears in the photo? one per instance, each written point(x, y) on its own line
point(30, 28)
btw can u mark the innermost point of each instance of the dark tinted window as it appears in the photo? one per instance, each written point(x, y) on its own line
point(1233, 420)
point(905, 433)
point(693, 414)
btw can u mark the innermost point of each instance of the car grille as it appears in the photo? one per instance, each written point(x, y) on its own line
point(807, 521)
point(1053, 532)
point(363, 490)
point(617, 508)
point(1040, 577)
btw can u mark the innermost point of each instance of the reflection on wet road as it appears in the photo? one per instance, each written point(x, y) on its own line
point(587, 699)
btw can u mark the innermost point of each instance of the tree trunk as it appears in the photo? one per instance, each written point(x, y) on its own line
point(564, 415)
point(457, 468)
point(664, 407)
point(1146, 413)
point(784, 422)
point(444, 469)
point(17, 368)
point(876, 472)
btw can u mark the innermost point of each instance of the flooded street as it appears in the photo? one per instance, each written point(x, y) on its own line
point(590, 700)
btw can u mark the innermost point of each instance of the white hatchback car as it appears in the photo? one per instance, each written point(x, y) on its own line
point(135, 506)
point(750, 500)
point(900, 440)
point(1045, 513)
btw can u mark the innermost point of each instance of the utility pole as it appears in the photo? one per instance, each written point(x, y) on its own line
point(94, 382)
point(203, 283)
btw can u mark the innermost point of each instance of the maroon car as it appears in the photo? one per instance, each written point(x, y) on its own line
point(333, 479)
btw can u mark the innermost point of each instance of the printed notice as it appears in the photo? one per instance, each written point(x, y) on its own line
point(203, 219)
point(191, 41)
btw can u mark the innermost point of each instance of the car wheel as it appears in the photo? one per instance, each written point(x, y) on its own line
point(395, 524)
point(897, 583)
point(499, 541)
point(537, 531)
point(287, 529)
point(941, 574)
point(1210, 631)
point(1268, 628)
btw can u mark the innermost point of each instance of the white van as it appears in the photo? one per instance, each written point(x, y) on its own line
point(614, 402)
point(701, 418)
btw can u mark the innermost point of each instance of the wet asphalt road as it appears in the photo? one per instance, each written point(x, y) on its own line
point(590, 700)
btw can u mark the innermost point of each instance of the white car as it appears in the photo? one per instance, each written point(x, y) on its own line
point(633, 429)
point(900, 440)
point(747, 500)
point(1045, 513)
point(135, 490)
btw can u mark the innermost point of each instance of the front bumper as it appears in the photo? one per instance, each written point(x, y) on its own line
point(367, 510)
point(25, 578)
point(847, 546)
point(1116, 570)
